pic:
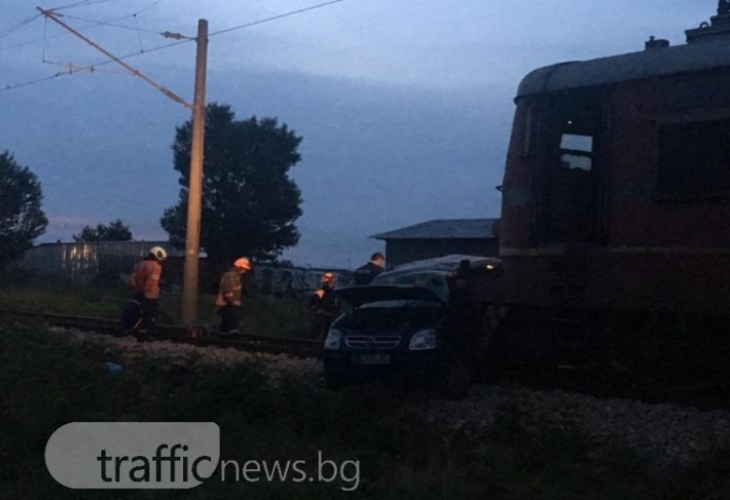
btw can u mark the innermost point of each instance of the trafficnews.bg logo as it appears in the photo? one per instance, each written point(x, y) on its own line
point(167, 455)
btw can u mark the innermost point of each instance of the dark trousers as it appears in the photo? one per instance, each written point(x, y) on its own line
point(229, 319)
point(149, 315)
point(139, 317)
point(320, 326)
point(144, 325)
point(131, 318)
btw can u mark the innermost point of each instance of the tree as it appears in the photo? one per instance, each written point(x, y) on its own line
point(249, 202)
point(115, 231)
point(21, 217)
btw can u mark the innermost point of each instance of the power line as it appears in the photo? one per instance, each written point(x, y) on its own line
point(84, 69)
point(91, 67)
point(153, 4)
point(227, 30)
point(16, 27)
point(274, 18)
point(135, 54)
point(37, 40)
point(82, 3)
point(107, 23)
point(95, 24)
point(139, 33)
point(166, 46)
point(72, 5)
point(33, 82)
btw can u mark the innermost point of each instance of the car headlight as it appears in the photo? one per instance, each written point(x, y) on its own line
point(332, 342)
point(423, 340)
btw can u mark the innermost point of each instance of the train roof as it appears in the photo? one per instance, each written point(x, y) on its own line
point(651, 63)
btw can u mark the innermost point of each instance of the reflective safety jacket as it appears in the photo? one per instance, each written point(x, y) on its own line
point(146, 278)
point(230, 289)
point(325, 301)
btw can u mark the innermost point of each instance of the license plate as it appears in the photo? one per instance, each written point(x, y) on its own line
point(372, 359)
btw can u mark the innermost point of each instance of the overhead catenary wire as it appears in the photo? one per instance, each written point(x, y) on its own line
point(72, 5)
point(82, 3)
point(274, 18)
point(33, 82)
point(139, 34)
point(95, 24)
point(114, 25)
point(81, 69)
point(153, 4)
point(85, 69)
point(16, 27)
point(166, 46)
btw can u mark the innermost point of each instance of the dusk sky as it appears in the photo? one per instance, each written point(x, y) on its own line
point(404, 105)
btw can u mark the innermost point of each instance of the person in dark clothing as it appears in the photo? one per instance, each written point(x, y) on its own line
point(325, 306)
point(365, 274)
point(228, 301)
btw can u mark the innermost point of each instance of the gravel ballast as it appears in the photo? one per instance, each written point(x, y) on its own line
point(274, 365)
point(665, 434)
point(662, 433)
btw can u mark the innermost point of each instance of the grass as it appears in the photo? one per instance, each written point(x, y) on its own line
point(46, 381)
point(260, 314)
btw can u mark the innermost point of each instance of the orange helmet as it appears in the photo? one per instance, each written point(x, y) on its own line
point(329, 278)
point(243, 263)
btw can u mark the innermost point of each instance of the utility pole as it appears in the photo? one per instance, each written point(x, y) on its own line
point(195, 189)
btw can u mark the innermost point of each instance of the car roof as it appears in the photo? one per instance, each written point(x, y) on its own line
point(446, 264)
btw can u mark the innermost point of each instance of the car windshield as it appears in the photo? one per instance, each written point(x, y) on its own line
point(434, 281)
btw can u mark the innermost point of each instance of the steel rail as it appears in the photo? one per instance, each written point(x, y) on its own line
point(246, 342)
point(692, 394)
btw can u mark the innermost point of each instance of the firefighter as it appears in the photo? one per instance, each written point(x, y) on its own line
point(325, 306)
point(146, 286)
point(228, 301)
point(365, 274)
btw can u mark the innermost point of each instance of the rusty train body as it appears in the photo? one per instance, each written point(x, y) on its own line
point(614, 233)
point(616, 193)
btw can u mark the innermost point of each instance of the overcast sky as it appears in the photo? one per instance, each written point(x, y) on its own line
point(404, 105)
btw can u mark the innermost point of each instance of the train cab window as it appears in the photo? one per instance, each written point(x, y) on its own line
point(576, 152)
point(581, 143)
point(574, 162)
point(694, 159)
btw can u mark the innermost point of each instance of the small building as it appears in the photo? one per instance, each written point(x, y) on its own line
point(86, 262)
point(437, 238)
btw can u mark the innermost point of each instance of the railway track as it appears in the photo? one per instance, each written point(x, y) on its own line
point(246, 342)
point(690, 394)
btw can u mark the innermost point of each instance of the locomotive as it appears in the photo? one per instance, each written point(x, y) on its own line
point(615, 222)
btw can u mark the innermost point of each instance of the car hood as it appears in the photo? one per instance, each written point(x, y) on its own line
point(360, 295)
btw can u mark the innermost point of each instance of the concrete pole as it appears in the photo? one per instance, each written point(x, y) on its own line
point(195, 190)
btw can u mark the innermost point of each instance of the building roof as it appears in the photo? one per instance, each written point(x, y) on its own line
point(443, 229)
point(655, 62)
